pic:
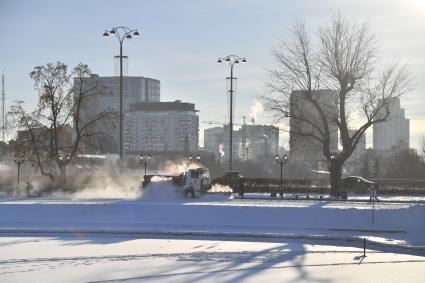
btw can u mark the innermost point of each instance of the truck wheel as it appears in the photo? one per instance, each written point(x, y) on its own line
point(189, 194)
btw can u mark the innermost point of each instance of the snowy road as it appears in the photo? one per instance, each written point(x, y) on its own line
point(212, 239)
point(388, 223)
point(82, 258)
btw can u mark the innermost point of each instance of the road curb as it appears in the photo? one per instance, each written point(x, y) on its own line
point(209, 234)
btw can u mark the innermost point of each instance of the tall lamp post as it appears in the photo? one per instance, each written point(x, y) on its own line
point(198, 158)
point(281, 161)
point(121, 33)
point(232, 60)
point(19, 159)
point(145, 160)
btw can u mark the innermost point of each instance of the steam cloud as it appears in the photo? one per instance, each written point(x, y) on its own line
point(176, 168)
point(256, 109)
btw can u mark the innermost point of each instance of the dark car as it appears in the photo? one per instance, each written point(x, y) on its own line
point(233, 179)
point(358, 183)
point(232, 174)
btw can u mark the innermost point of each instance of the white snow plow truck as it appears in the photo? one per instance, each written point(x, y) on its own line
point(193, 182)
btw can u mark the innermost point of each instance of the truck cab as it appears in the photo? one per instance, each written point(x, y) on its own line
point(195, 182)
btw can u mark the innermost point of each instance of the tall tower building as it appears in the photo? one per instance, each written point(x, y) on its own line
point(394, 131)
point(304, 147)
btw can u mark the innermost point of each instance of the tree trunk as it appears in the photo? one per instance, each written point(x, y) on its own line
point(335, 177)
point(62, 169)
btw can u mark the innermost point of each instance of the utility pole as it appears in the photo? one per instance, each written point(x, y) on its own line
point(3, 114)
point(231, 121)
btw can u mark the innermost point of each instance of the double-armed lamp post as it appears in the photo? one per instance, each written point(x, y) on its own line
point(145, 160)
point(232, 60)
point(121, 33)
point(198, 158)
point(281, 160)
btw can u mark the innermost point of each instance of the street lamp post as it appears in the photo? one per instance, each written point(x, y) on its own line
point(19, 159)
point(145, 160)
point(198, 157)
point(281, 160)
point(121, 34)
point(232, 60)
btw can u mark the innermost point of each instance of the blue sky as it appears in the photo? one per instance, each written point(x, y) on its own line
point(181, 40)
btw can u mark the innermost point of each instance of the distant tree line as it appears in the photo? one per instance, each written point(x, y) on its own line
point(398, 163)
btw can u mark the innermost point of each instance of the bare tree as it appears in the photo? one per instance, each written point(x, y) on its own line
point(344, 61)
point(53, 132)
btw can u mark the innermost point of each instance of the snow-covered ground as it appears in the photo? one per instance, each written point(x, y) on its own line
point(160, 236)
point(82, 258)
point(163, 210)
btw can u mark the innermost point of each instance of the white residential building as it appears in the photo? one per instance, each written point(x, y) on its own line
point(156, 127)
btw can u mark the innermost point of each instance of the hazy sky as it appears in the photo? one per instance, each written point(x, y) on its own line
point(181, 40)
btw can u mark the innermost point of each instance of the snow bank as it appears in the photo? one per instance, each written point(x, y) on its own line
point(398, 223)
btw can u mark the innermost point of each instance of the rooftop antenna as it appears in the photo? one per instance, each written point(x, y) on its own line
point(3, 114)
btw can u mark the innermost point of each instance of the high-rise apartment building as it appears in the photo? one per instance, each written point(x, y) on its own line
point(102, 94)
point(392, 132)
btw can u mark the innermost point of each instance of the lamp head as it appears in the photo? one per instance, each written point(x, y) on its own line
point(129, 36)
point(105, 34)
point(243, 60)
point(219, 61)
point(276, 158)
point(227, 59)
point(112, 31)
point(136, 34)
